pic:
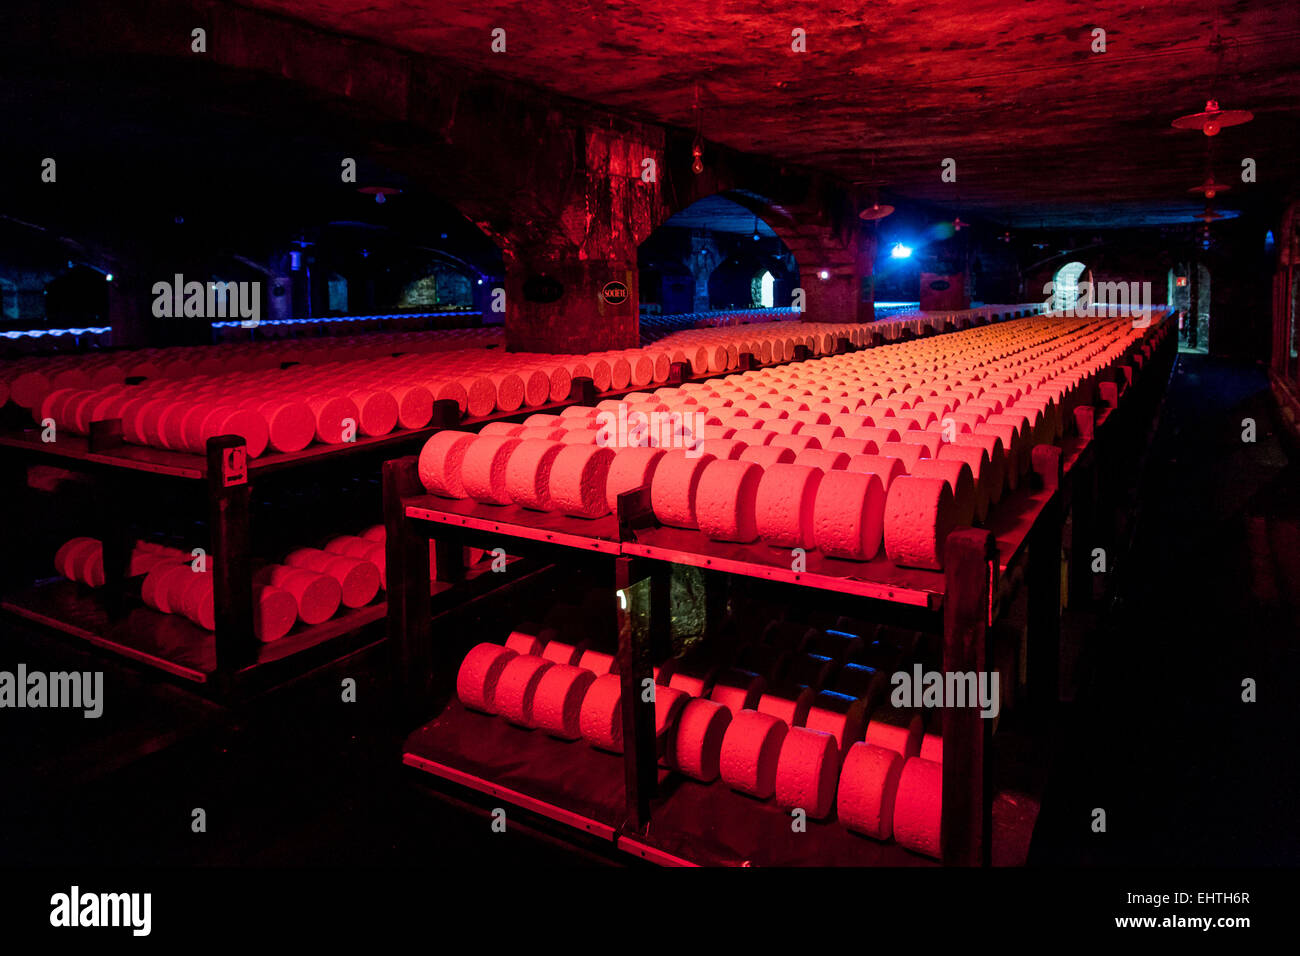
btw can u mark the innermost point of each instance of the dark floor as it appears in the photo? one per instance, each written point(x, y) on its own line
point(1158, 735)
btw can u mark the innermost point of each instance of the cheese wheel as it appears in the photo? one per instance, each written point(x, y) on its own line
point(376, 411)
point(274, 613)
point(318, 595)
point(415, 404)
point(195, 600)
point(597, 663)
point(674, 487)
point(559, 652)
point(932, 747)
point(480, 395)
point(697, 743)
point(167, 586)
point(868, 787)
point(840, 715)
point(522, 643)
point(669, 703)
point(631, 468)
point(823, 459)
point(847, 514)
point(789, 705)
point(483, 469)
point(882, 466)
point(784, 505)
point(918, 807)
point(516, 688)
point(919, 514)
point(724, 500)
point(738, 690)
point(806, 772)
point(897, 730)
point(557, 703)
point(441, 460)
point(509, 390)
point(528, 473)
point(63, 557)
point(358, 580)
point(600, 720)
point(751, 748)
point(578, 481)
point(958, 476)
point(992, 446)
point(149, 590)
point(333, 414)
point(767, 455)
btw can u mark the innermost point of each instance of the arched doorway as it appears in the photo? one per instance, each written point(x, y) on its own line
point(715, 255)
point(1065, 287)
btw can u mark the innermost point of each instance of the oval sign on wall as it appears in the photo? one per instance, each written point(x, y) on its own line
point(938, 285)
point(615, 292)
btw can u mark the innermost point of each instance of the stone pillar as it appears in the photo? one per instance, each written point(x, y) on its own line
point(844, 260)
point(567, 304)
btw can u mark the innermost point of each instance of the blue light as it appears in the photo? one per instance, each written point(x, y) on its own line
point(900, 251)
point(108, 277)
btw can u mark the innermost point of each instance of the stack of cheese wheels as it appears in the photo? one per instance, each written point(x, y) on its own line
point(358, 579)
point(898, 444)
point(557, 702)
point(318, 595)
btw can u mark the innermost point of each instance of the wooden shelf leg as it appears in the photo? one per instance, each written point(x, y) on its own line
point(640, 753)
point(966, 833)
point(232, 575)
point(410, 611)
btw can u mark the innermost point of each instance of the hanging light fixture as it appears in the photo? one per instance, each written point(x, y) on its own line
point(1208, 216)
point(1209, 189)
point(1212, 119)
point(876, 211)
point(958, 225)
point(697, 149)
point(757, 235)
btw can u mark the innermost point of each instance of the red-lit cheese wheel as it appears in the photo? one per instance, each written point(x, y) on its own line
point(784, 504)
point(528, 473)
point(167, 585)
point(441, 461)
point(358, 580)
point(483, 469)
point(415, 404)
point(376, 411)
point(557, 703)
point(918, 806)
point(919, 515)
point(597, 663)
point(274, 612)
point(578, 480)
point(847, 514)
point(517, 688)
point(67, 550)
point(674, 487)
point(806, 772)
point(897, 730)
point(750, 750)
point(196, 601)
point(767, 455)
point(318, 595)
point(958, 475)
point(290, 424)
point(630, 469)
point(724, 500)
point(697, 743)
point(600, 720)
point(885, 468)
point(738, 690)
point(867, 790)
point(559, 652)
point(522, 643)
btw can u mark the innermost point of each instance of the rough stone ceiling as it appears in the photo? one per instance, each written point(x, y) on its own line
point(1044, 131)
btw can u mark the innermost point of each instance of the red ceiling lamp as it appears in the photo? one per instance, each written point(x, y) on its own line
point(1208, 216)
point(876, 211)
point(1212, 119)
point(381, 193)
point(958, 224)
point(1209, 189)
point(697, 148)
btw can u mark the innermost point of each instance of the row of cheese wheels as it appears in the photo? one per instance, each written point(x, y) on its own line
point(815, 466)
point(882, 786)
